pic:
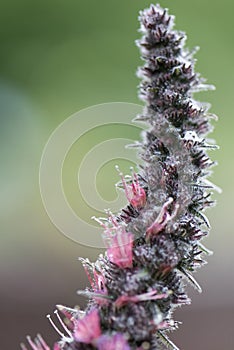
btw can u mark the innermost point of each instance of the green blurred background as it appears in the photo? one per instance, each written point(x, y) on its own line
point(58, 57)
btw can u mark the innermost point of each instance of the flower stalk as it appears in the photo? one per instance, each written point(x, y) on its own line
point(153, 244)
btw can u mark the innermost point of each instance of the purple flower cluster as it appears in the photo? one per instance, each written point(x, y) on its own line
point(153, 244)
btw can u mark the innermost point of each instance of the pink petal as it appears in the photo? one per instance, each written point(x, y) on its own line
point(87, 329)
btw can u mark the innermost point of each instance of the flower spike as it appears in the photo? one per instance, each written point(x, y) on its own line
point(153, 244)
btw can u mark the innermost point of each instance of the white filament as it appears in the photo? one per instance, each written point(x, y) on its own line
point(55, 327)
point(62, 323)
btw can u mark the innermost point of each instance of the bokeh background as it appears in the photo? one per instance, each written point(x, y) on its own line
point(58, 57)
